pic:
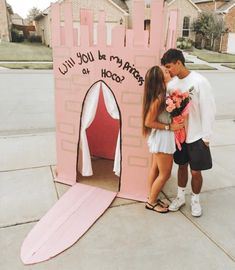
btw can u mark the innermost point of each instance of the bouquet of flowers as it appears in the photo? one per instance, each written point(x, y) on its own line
point(178, 104)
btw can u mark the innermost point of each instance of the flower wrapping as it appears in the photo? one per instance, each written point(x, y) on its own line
point(178, 105)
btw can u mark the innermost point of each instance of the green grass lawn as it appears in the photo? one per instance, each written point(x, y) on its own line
point(26, 51)
point(213, 57)
point(229, 65)
point(199, 67)
point(27, 65)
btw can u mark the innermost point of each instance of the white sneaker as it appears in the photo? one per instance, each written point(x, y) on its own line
point(196, 208)
point(176, 204)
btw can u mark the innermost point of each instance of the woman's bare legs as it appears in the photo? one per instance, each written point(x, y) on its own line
point(164, 164)
point(153, 173)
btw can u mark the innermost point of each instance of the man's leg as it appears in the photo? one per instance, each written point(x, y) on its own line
point(196, 189)
point(200, 159)
point(182, 182)
point(196, 181)
point(183, 175)
point(180, 158)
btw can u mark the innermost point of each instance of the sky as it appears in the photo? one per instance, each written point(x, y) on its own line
point(22, 7)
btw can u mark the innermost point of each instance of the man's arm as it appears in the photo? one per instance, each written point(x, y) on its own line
point(207, 109)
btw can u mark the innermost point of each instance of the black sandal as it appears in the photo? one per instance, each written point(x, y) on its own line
point(153, 208)
point(162, 203)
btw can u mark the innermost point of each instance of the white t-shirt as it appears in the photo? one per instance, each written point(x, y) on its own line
point(202, 110)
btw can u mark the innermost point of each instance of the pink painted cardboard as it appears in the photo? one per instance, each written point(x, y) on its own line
point(65, 223)
point(122, 67)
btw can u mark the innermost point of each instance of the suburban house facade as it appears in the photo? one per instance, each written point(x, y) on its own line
point(42, 26)
point(5, 21)
point(120, 12)
point(116, 13)
point(12, 21)
point(226, 9)
point(17, 19)
point(187, 13)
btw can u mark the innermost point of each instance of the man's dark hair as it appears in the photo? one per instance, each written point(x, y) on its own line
point(172, 56)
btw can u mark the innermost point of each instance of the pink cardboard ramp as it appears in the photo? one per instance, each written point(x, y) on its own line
point(65, 223)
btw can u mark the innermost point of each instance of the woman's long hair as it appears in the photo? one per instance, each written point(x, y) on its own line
point(154, 87)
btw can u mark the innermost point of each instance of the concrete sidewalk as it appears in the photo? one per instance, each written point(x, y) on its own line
point(127, 236)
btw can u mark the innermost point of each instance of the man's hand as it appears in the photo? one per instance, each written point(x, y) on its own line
point(178, 125)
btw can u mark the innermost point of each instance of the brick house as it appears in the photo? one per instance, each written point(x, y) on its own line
point(5, 21)
point(226, 9)
point(228, 40)
point(116, 11)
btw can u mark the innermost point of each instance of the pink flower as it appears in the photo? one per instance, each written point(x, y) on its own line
point(177, 101)
point(178, 104)
point(170, 107)
point(169, 101)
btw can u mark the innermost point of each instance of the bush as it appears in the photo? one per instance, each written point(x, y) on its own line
point(184, 43)
point(16, 36)
point(35, 38)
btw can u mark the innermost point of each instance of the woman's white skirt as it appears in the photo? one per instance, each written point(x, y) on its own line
point(161, 141)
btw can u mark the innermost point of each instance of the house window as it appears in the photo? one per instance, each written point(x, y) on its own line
point(186, 25)
point(146, 24)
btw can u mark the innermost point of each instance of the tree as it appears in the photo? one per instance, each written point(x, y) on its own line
point(210, 25)
point(33, 12)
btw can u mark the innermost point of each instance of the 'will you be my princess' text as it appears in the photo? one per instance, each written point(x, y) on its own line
point(82, 59)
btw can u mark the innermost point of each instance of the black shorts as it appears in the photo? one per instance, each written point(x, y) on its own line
point(197, 154)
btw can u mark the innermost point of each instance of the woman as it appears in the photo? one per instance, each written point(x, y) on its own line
point(157, 124)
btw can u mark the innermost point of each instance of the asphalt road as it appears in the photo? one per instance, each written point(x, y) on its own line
point(224, 91)
point(27, 99)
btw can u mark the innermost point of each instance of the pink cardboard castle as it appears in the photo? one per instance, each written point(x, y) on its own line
point(85, 75)
point(82, 70)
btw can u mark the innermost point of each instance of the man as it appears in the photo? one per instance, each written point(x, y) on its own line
point(195, 151)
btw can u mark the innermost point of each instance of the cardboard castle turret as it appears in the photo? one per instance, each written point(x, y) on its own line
point(83, 71)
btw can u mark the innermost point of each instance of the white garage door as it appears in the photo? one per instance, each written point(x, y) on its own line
point(231, 43)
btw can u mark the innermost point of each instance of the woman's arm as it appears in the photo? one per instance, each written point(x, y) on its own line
point(152, 115)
